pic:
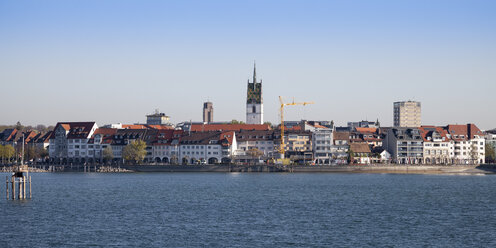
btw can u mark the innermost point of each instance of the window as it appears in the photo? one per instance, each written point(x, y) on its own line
point(254, 109)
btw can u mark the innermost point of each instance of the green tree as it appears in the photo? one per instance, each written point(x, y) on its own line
point(474, 154)
point(42, 152)
point(29, 153)
point(268, 123)
point(108, 154)
point(254, 153)
point(351, 156)
point(2, 153)
point(237, 122)
point(490, 153)
point(7, 152)
point(135, 151)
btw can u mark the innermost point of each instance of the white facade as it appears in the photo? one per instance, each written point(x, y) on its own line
point(254, 113)
point(322, 145)
point(265, 146)
point(470, 151)
point(438, 151)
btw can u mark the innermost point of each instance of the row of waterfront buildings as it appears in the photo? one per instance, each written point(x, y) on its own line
point(314, 142)
point(319, 142)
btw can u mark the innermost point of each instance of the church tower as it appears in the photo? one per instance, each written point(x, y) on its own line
point(254, 102)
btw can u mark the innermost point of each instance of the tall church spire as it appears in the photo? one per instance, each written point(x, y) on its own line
point(254, 72)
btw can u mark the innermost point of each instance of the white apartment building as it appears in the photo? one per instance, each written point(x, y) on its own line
point(469, 144)
point(438, 148)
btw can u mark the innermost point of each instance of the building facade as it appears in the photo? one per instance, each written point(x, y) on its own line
point(405, 145)
point(157, 119)
point(438, 148)
point(407, 114)
point(469, 143)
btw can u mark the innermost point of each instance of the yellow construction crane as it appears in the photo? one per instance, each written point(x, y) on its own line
point(281, 147)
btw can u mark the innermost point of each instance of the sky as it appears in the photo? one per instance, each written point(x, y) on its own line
point(116, 61)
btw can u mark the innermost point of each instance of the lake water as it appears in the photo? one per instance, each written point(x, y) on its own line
point(251, 210)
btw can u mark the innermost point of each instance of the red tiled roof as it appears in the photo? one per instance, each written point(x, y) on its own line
point(341, 136)
point(105, 131)
point(229, 136)
point(468, 131)
point(146, 126)
point(228, 127)
point(366, 129)
point(360, 147)
point(426, 131)
point(76, 130)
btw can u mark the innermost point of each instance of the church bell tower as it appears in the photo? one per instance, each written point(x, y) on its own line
point(254, 102)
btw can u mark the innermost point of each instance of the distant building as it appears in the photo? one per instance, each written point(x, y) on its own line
point(207, 147)
point(262, 140)
point(254, 101)
point(202, 127)
point(407, 114)
point(208, 112)
point(469, 143)
point(360, 153)
point(438, 148)
point(157, 119)
point(366, 124)
point(405, 145)
point(68, 141)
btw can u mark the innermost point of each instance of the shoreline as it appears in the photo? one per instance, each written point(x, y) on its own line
point(377, 169)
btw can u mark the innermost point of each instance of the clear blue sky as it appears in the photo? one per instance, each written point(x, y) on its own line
point(115, 61)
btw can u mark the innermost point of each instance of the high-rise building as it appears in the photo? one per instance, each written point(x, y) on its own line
point(208, 112)
point(254, 101)
point(407, 114)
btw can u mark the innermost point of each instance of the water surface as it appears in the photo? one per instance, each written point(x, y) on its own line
point(251, 210)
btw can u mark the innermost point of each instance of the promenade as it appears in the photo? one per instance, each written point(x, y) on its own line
point(373, 168)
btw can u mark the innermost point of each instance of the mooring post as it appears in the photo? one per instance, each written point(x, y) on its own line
point(19, 192)
point(13, 188)
point(24, 184)
point(29, 187)
point(7, 188)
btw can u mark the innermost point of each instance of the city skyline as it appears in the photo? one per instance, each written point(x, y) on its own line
point(117, 61)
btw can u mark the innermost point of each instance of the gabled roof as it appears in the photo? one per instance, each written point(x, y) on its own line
point(341, 136)
point(366, 129)
point(463, 132)
point(44, 138)
point(427, 133)
point(28, 136)
point(9, 134)
point(360, 147)
point(166, 137)
point(228, 127)
point(76, 130)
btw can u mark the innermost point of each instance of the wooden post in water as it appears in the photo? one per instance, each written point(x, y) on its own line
point(29, 187)
point(7, 188)
point(24, 185)
point(13, 188)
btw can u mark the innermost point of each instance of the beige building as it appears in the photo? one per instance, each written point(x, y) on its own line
point(406, 114)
